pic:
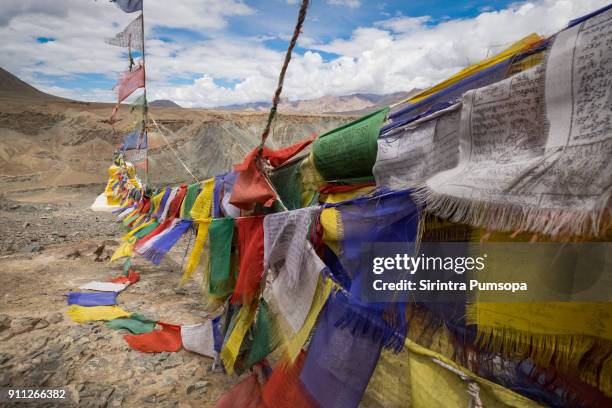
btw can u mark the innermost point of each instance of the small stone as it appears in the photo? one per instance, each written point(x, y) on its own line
point(163, 356)
point(54, 318)
point(23, 324)
point(116, 400)
point(149, 399)
point(4, 358)
point(5, 322)
point(5, 378)
point(22, 367)
point(32, 247)
point(6, 335)
point(41, 324)
point(173, 361)
point(200, 386)
point(169, 381)
point(26, 224)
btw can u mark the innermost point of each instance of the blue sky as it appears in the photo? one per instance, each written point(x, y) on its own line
point(218, 52)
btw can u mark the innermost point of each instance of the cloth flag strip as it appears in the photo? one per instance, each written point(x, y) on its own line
point(251, 251)
point(129, 6)
point(167, 339)
point(481, 74)
point(291, 296)
point(131, 36)
point(92, 299)
point(135, 324)
point(284, 238)
point(350, 150)
point(135, 140)
point(284, 388)
point(128, 83)
point(245, 394)
point(201, 215)
point(410, 154)
point(528, 143)
point(104, 286)
point(251, 186)
point(199, 338)
point(82, 314)
point(340, 361)
point(222, 279)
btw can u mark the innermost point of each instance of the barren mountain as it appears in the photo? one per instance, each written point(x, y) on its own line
point(358, 103)
point(164, 103)
point(13, 87)
point(48, 142)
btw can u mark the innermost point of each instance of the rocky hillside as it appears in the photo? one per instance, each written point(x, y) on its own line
point(358, 103)
point(48, 142)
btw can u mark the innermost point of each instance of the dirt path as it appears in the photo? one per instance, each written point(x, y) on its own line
point(41, 348)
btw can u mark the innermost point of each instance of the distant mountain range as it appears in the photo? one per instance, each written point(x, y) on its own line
point(165, 103)
point(355, 104)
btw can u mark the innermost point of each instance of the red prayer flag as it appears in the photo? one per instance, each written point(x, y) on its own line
point(251, 255)
point(167, 339)
point(173, 211)
point(246, 394)
point(278, 157)
point(129, 82)
point(284, 389)
point(251, 186)
point(342, 188)
point(132, 278)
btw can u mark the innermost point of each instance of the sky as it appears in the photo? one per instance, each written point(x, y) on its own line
point(208, 53)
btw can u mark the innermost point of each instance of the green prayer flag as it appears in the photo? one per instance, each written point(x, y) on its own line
point(220, 235)
point(265, 335)
point(136, 324)
point(288, 184)
point(126, 266)
point(350, 150)
point(192, 193)
point(144, 231)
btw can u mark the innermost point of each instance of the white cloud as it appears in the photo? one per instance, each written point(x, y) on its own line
point(395, 54)
point(194, 14)
point(347, 3)
point(78, 28)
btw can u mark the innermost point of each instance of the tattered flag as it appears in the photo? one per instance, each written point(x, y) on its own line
point(129, 82)
point(129, 6)
point(131, 37)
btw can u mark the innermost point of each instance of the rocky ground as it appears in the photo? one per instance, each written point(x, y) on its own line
point(53, 243)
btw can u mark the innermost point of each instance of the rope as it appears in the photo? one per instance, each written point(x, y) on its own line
point(281, 78)
point(171, 148)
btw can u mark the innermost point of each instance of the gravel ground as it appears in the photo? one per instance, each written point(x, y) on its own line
point(52, 246)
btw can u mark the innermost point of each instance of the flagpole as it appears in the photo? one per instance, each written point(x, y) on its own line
point(145, 106)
